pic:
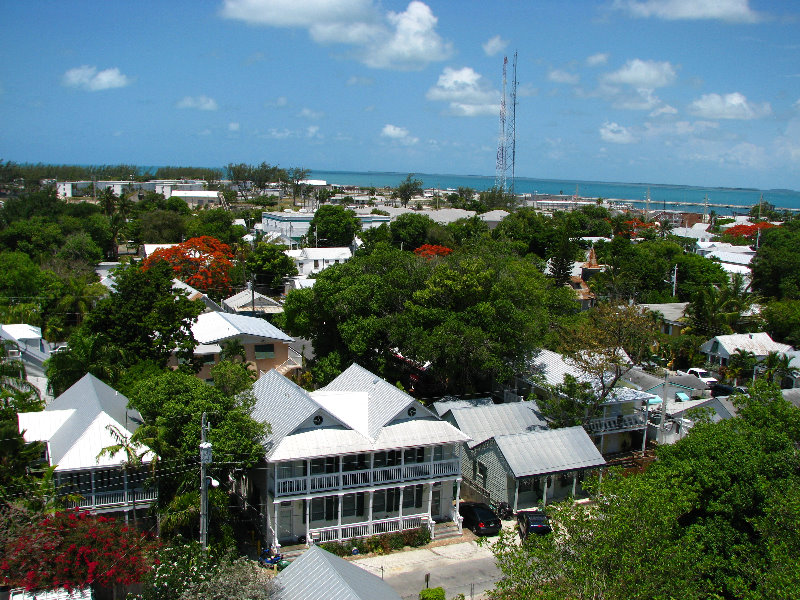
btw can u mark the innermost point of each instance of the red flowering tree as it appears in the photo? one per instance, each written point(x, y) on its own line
point(75, 549)
point(430, 250)
point(747, 231)
point(202, 262)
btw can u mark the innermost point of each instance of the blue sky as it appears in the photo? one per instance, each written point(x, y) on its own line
point(703, 92)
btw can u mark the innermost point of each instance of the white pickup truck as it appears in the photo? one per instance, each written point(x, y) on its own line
point(702, 375)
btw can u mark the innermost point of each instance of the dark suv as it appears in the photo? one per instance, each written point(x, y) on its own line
point(480, 518)
point(532, 521)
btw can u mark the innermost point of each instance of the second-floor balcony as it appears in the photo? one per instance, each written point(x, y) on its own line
point(343, 480)
point(614, 424)
point(105, 499)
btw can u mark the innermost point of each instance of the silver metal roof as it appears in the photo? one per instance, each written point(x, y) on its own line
point(319, 575)
point(484, 422)
point(448, 403)
point(215, 327)
point(550, 451)
point(362, 413)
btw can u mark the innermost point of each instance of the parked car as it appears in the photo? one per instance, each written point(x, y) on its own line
point(703, 375)
point(532, 521)
point(720, 389)
point(479, 518)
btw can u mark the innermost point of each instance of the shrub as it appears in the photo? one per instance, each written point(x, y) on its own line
point(436, 593)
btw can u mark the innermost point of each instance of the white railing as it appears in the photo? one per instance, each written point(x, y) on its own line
point(117, 497)
point(352, 479)
point(616, 423)
point(320, 535)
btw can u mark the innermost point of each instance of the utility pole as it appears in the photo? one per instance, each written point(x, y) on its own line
point(675, 280)
point(205, 460)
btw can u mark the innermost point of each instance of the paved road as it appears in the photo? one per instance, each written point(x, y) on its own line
point(461, 568)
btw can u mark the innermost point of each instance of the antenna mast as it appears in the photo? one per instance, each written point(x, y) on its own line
point(507, 142)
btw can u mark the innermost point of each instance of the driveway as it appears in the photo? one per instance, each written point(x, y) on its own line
point(462, 568)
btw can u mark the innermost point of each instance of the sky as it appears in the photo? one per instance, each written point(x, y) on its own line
point(689, 92)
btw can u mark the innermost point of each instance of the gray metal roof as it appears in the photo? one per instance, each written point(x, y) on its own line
point(319, 575)
point(448, 403)
point(83, 412)
point(550, 451)
point(215, 327)
point(484, 422)
point(385, 399)
point(361, 413)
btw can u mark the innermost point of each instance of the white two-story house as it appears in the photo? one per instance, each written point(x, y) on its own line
point(358, 457)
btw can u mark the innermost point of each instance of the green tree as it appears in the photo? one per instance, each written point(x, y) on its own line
point(782, 319)
point(711, 512)
point(216, 223)
point(270, 265)
point(562, 259)
point(161, 227)
point(144, 317)
point(332, 226)
point(409, 231)
point(776, 265)
point(135, 456)
point(408, 189)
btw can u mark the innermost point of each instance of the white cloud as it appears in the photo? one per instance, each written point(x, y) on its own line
point(647, 74)
point(617, 134)
point(466, 92)
point(743, 154)
point(362, 81)
point(233, 126)
point(312, 131)
point(559, 76)
point(89, 78)
point(398, 134)
point(732, 11)
point(598, 59)
point(279, 134)
point(664, 109)
point(198, 102)
point(281, 101)
point(307, 113)
point(494, 45)
point(679, 128)
point(796, 105)
point(204, 132)
point(729, 106)
point(395, 40)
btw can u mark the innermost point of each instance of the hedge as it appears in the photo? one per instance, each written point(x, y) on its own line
point(380, 544)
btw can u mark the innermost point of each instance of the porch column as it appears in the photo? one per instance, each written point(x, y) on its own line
point(369, 518)
point(456, 515)
point(402, 469)
point(339, 460)
point(400, 507)
point(371, 472)
point(94, 500)
point(430, 504)
point(276, 544)
point(432, 449)
point(125, 488)
point(574, 483)
point(339, 518)
point(308, 521)
point(602, 443)
point(544, 495)
point(308, 477)
point(516, 493)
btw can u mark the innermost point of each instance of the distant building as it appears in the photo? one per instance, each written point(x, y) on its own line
point(719, 349)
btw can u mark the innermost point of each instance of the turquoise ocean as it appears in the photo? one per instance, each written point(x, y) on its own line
point(661, 195)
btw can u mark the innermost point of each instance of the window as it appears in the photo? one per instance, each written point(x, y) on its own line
point(355, 462)
point(353, 505)
point(379, 501)
point(387, 459)
point(483, 474)
point(316, 264)
point(328, 464)
point(412, 496)
point(265, 351)
point(209, 359)
point(414, 455)
point(326, 508)
point(438, 453)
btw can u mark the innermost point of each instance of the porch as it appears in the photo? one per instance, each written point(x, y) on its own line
point(106, 489)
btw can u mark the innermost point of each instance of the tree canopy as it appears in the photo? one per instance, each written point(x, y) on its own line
point(332, 226)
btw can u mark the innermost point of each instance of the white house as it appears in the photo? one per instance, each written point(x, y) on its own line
point(310, 261)
point(252, 303)
point(719, 349)
point(74, 429)
point(355, 458)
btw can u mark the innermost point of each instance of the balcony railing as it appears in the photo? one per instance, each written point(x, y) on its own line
point(114, 498)
point(355, 479)
point(616, 423)
point(345, 532)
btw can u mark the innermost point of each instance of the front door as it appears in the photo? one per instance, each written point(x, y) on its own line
point(436, 501)
point(285, 530)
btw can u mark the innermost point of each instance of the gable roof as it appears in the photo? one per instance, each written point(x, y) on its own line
point(319, 575)
point(759, 343)
point(549, 451)
point(247, 298)
point(358, 417)
point(75, 424)
point(216, 327)
point(484, 422)
point(448, 403)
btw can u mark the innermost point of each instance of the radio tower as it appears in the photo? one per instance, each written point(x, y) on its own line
point(507, 142)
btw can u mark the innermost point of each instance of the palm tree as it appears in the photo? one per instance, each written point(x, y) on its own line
point(778, 366)
point(742, 363)
point(13, 377)
point(134, 457)
point(720, 310)
point(85, 354)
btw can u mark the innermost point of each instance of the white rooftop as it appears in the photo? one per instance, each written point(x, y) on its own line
point(213, 327)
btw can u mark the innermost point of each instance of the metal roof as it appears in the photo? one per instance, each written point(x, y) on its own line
point(215, 327)
point(549, 451)
point(319, 575)
point(759, 343)
point(75, 424)
point(246, 298)
point(484, 422)
point(448, 403)
point(363, 400)
point(671, 311)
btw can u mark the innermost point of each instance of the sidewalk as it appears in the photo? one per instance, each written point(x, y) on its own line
point(410, 560)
